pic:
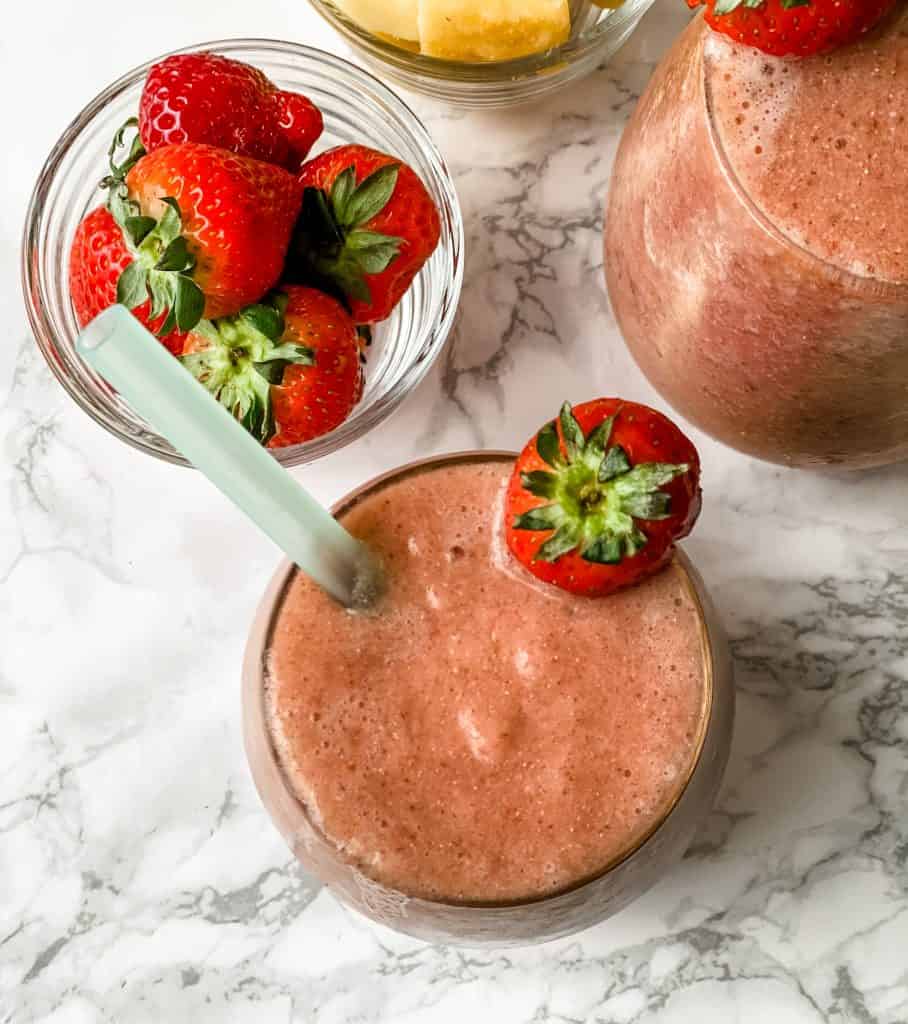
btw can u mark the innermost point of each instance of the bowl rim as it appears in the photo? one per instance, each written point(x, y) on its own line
point(486, 72)
point(352, 429)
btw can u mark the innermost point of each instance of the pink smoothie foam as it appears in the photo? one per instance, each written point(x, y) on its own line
point(481, 736)
point(757, 245)
point(819, 144)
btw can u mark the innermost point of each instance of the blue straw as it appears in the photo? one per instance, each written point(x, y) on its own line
point(169, 398)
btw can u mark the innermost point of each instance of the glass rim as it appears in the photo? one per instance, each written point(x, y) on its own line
point(279, 586)
point(420, 362)
point(487, 72)
point(864, 282)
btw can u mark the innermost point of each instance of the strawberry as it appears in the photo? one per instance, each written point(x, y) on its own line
point(598, 498)
point(208, 229)
point(794, 27)
point(312, 400)
point(367, 227)
point(288, 369)
point(203, 97)
point(97, 258)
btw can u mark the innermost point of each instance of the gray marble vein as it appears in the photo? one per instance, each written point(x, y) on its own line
point(140, 880)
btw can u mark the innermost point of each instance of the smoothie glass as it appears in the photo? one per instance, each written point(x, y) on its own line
point(587, 900)
point(756, 243)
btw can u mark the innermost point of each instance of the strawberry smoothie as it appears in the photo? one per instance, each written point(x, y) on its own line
point(757, 244)
point(480, 736)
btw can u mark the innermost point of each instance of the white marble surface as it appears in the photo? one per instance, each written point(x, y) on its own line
point(140, 880)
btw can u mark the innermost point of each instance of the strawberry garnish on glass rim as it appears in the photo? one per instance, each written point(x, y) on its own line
point(599, 497)
point(799, 28)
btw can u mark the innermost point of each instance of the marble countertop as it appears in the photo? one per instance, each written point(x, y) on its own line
point(140, 880)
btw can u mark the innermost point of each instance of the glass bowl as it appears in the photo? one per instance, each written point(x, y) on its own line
point(597, 34)
point(356, 108)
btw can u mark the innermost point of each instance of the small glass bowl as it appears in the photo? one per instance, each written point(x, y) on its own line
point(597, 33)
point(357, 108)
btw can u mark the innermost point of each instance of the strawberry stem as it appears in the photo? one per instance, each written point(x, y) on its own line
point(162, 266)
point(595, 496)
point(331, 243)
point(244, 357)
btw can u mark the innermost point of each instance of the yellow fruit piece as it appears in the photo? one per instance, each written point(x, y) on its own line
point(396, 18)
point(492, 29)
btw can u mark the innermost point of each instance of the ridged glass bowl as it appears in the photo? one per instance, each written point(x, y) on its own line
point(597, 33)
point(356, 108)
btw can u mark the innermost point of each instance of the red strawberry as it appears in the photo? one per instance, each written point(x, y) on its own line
point(288, 369)
point(209, 229)
point(313, 400)
point(794, 27)
point(367, 227)
point(300, 121)
point(203, 97)
point(598, 499)
point(97, 258)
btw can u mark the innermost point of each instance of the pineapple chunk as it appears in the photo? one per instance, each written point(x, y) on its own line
point(492, 29)
point(395, 18)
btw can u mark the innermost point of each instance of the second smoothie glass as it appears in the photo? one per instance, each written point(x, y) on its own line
point(750, 335)
point(513, 923)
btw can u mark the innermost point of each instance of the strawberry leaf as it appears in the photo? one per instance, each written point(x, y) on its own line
point(170, 223)
point(280, 358)
point(368, 199)
point(614, 464)
point(267, 320)
point(571, 432)
point(648, 476)
point(548, 446)
point(373, 252)
point(603, 550)
point(540, 483)
point(169, 324)
point(176, 257)
point(137, 228)
point(124, 210)
point(652, 506)
point(564, 540)
point(545, 517)
point(118, 171)
point(189, 303)
point(598, 438)
point(343, 188)
point(132, 286)
point(162, 293)
point(162, 266)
